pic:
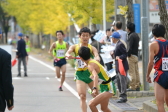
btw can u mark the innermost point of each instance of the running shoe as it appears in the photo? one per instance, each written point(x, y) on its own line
point(60, 89)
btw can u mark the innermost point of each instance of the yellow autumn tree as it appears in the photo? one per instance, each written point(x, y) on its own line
point(84, 10)
point(56, 18)
point(38, 15)
point(51, 15)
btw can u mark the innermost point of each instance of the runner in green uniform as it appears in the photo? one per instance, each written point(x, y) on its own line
point(57, 51)
point(99, 75)
point(28, 47)
point(82, 74)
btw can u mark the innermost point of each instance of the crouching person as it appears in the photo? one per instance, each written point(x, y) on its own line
point(99, 76)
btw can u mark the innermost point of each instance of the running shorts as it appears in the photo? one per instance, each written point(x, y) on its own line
point(60, 63)
point(163, 80)
point(83, 76)
point(107, 88)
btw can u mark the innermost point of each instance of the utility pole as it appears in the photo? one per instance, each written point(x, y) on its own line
point(104, 15)
point(71, 33)
point(119, 17)
point(12, 26)
point(144, 37)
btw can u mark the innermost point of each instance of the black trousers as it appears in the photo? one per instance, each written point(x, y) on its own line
point(122, 85)
point(22, 59)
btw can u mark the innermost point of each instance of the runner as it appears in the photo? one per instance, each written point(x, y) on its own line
point(82, 74)
point(99, 75)
point(28, 46)
point(57, 51)
point(158, 56)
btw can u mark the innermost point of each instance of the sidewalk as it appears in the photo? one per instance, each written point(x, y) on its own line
point(137, 98)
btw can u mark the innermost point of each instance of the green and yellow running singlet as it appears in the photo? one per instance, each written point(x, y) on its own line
point(28, 46)
point(102, 74)
point(59, 51)
point(80, 65)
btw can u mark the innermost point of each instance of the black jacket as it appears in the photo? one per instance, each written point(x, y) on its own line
point(133, 43)
point(121, 52)
point(21, 47)
point(6, 87)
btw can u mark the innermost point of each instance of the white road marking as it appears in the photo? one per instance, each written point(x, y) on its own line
point(37, 73)
point(52, 68)
point(47, 78)
point(65, 83)
point(16, 78)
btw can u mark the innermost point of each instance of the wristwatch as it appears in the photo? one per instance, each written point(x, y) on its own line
point(94, 88)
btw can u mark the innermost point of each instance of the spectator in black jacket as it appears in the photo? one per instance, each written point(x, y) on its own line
point(133, 43)
point(6, 87)
point(120, 52)
point(21, 54)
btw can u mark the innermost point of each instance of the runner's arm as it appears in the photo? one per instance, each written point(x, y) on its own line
point(51, 50)
point(150, 63)
point(96, 55)
point(70, 50)
point(92, 69)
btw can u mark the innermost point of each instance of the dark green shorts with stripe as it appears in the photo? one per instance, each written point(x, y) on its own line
point(83, 76)
point(109, 87)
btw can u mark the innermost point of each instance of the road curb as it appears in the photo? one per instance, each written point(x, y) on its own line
point(140, 93)
point(148, 106)
point(137, 94)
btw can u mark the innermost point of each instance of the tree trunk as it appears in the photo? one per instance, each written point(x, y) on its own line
point(163, 15)
point(38, 40)
point(120, 17)
point(4, 18)
point(6, 29)
point(130, 16)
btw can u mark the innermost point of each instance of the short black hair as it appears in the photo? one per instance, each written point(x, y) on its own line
point(84, 52)
point(131, 27)
point(118, 24)
point(60, 32)
point(108, 29)
point(84, 30)
point(27, 36)
point(158, 30)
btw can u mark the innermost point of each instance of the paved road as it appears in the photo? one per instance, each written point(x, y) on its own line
point(39, 91)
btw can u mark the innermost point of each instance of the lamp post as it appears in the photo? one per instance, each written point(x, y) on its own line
point(104, 15)
point(144, 37)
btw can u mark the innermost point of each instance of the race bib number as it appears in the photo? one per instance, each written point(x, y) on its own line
point(60, 53)
point(80, 63)
point(165, 64)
